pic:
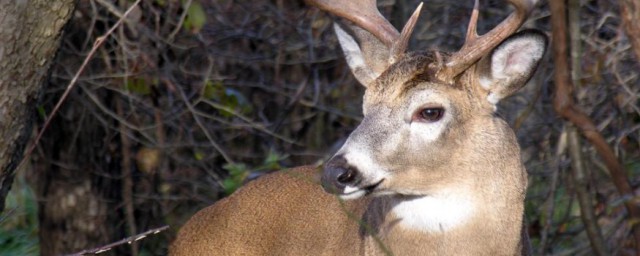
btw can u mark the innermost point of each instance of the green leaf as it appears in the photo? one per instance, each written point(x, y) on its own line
point(235, 168)
point(230, 186)
point(198, 155)
point(196, 18)
point(238, 173)
point(213, 90)
point(232, 100)
point(272, 161)
point(42, 113)
point(138, 85)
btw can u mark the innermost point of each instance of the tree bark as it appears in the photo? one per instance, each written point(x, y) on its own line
point(30, 34)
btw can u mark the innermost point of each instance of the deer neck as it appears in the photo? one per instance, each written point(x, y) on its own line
point(442, 211)
point(443, 222)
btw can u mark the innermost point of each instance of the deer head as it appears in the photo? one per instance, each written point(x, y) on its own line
point(429, 120)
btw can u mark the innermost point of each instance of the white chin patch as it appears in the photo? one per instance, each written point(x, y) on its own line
point(438, 213)
point(350, 189)
point(351, 193)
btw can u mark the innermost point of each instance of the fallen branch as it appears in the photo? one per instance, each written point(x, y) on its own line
point(127, 240)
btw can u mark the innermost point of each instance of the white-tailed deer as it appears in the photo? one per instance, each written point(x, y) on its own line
point(431, 170)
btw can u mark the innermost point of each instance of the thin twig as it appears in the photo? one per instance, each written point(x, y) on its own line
point(127, 184)
point(221, 151)
point(578, 175)
point(96, 45)
point(252, 124)
point(175, 31)
point(561, 148)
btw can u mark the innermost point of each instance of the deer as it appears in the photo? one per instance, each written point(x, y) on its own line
point(430, 170)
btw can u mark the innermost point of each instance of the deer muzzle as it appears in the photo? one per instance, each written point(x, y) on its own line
point(338, 174)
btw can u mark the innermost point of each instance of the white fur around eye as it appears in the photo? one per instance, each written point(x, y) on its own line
point(428, 131)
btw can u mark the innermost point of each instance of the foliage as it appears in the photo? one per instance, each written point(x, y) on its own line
point(19, 223)
point(239, 172)
point(195, 18)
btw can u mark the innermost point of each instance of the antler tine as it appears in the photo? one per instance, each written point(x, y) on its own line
point(400, 46)
point(472, 32)
point(363, 13)
point(475, 47)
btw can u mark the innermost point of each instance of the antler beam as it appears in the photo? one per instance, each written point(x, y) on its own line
point(365, 14)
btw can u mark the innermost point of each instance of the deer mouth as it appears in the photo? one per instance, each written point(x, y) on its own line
point(371, 188)
point(354, 192)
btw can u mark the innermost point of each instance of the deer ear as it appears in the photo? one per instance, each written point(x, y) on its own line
point(366, 56)
point(511, 64)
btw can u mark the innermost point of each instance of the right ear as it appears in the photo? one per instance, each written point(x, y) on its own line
point(366, 56)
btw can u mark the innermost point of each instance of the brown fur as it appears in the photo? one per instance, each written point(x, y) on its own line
point(284, 213)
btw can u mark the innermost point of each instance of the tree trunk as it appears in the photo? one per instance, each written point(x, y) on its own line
point(29, 38)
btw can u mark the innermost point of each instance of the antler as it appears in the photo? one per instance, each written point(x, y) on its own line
point(477, 46)
point(365, 14)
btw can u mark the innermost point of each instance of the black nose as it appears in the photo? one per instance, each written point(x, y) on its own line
point(338, 174)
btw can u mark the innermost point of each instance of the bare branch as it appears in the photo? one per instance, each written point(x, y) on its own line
point(584, 197)
point(127, 240)
point(630, 13)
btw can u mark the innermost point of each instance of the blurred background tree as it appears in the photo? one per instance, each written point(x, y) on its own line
point(187, 100)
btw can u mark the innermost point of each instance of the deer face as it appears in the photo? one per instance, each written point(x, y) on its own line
point(417, 129)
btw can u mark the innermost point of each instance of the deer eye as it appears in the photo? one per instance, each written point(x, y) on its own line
point(430, 114)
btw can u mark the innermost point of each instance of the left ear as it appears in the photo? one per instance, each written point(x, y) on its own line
point(511, 64)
